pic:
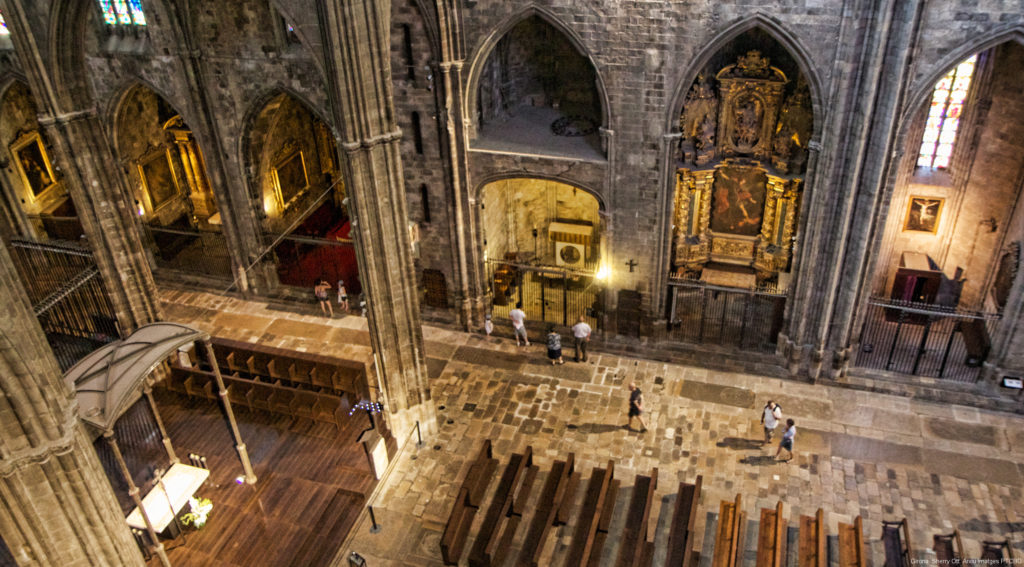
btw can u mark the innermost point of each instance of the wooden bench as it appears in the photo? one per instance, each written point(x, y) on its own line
point(684, 515)
point(634, 535)
point(467, 502)
point(514, 485)
point(851, 544)
point(948, 548)
point(896, 542)
point(600, 491)
point(1000, 552)
point(545, 517)
point(771, 537)
point(811, 541)
point(732, 522)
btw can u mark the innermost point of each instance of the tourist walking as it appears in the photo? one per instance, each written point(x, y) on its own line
point(787, 440)
point(581, 336)
point(554, 341)
point(636, 407)
point(321, 291)
point(770, 416)
point(519, 324)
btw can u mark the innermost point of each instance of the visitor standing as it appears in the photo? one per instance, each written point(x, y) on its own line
point(519, 324)
point(581, 336)
point(770, 416)
point(554, 341)
point(787, 440)
point(321, 291)
point(636, 407)
point(488, 324)
point(342, 295)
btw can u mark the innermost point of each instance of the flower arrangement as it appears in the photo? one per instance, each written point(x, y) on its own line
point(199, 510)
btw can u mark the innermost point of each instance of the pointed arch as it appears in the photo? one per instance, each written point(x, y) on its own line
point(486, 48)
point(116, 103)
point(777, 31)
point(8, 79)
point(485, 181)
point(67, 56)
point(922, 91)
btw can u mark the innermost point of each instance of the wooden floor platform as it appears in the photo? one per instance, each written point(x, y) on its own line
point(313, 482)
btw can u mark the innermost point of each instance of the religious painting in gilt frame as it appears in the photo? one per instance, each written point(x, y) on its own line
point(290, 178)
point(33, 163)
point(158, 180)
point(738, 200)
point(923, 214)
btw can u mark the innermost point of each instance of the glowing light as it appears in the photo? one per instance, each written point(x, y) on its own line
point(603, 272)
point(944, 115)
point(3, 26)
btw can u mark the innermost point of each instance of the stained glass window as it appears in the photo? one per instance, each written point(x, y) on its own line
point(123, 12)
point(944, 115)
point(3, 26)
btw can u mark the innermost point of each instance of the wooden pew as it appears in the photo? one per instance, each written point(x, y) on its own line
point(545, 516)
point(634, 535)
point(594, 505)
point(604, 523)
point(811, 542)
point(684, 515)
point(483, 550)
point(896, 541)
point(1000, 552)
point(771, 537)
point(474, 484)
point(729, 539)
point(851, 544)
point(948, 548)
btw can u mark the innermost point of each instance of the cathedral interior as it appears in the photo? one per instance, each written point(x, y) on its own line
point(251, 248)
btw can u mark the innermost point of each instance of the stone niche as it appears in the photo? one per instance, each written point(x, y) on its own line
point(740, 164)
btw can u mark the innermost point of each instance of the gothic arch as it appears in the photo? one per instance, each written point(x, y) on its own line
point(923, 91)
point(779, 33)
point(67, 36)
point(532, 175)
point(8, 80)
point(486, 48)
point(121, 94)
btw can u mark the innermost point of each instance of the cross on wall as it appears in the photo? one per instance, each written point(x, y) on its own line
point(632, 264)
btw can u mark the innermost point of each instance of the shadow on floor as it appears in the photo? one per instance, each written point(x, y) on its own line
point(597, 427)
point(759, 460)
point(740, 444)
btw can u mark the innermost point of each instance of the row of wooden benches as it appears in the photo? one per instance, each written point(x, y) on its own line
point(507, 509)
point(812, 550)
point(252, 360)
point(268, 396)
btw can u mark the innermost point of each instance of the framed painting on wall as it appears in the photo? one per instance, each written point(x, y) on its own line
point(923, 214)
point(33, 163)
point(158, 180)
point(290, 178)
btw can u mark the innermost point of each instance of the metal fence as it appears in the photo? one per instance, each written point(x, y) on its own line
point(925, 340)
point(203, 252)
point(67, 296)
point(749, 319)
point(550, 295)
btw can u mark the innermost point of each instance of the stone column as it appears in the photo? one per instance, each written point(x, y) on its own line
point(83, 156)
point(56, 504)
point(357, 54)
point(469, 268)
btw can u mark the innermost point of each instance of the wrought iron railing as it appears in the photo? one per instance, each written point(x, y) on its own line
point(703, 313)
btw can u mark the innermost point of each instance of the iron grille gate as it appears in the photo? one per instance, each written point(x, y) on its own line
point(925, 340)
point(750, 319)
point(550, 295)
point(67, 296)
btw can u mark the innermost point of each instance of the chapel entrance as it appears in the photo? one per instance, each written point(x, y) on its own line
point(950, 250)
point(542, 245)
point(746, 123)
point(171, 192)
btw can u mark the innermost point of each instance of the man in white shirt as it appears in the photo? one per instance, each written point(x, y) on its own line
point(519, 324)
point(581, 334)
point(770, 419)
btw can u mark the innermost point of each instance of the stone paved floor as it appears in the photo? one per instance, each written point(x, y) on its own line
point(858, 453)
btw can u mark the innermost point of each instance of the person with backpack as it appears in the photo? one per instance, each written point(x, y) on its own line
point(770, 417)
